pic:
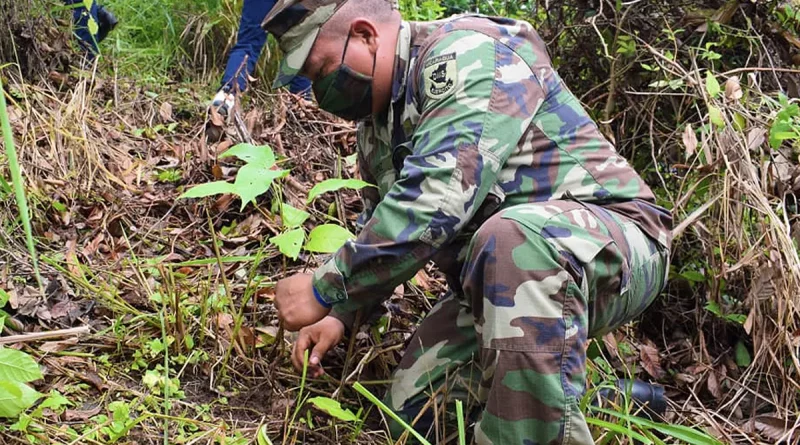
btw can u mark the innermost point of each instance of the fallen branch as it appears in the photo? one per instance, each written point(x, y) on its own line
point(35, 336)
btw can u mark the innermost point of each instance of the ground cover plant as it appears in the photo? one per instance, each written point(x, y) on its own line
point(138, 256)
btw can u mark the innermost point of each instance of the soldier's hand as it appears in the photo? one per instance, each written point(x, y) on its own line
point(297, 306)
point(322, 336)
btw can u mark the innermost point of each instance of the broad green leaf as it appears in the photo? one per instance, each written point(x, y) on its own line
point(327, 238)
point(92, 25)
point(289, 243)
point(782, 128)
point(4, 297)
point(258, 155)
point(715, 115)
point(208, 189)
point(351, 160)
point(712, 85)
point(262, 437)
point(16, 397)
point(253, 180)
point(333, 408)
point(742, 355)
point(713, 307)
point(739, 122)
point(17, 366)
point(55, 401)
point(292, 217)
point(693, 276)
point(331, 185)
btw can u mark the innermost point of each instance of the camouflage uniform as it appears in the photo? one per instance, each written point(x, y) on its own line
point(488, 165)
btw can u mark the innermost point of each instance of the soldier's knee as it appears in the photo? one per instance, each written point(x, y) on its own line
point(497, 230)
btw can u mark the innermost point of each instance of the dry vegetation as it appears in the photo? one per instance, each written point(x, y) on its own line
point(105, 156)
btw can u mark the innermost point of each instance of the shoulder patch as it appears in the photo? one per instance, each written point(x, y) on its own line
point(440, 75)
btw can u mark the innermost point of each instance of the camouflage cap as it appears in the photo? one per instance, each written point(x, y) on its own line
point(296, 24)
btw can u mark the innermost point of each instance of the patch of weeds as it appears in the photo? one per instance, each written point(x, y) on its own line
point(173, 175)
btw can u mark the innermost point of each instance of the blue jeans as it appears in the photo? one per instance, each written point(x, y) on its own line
point(80, 19)
point(249, 42)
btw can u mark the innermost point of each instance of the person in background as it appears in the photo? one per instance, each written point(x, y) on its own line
point(249, 42)
point(85, 19)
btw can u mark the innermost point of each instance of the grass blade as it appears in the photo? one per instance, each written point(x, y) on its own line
point(462, 434)
point(19, 187)
point(371, 397)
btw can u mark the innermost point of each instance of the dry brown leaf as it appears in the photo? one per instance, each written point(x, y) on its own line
point(216, 171)
point(266, 293)
point(63, 308)
point(733, 90)
point(91, 377)
point(216, 118)
point(651, 360)
point(772, 428)
point(755, 138)
point(611, 344)
point(224, 320)
point(74, 414)
point(423, 281)
point(713, 384)
point(689, 141)
point(58, 346)
point(223, 146)
point(91, 247)
point(165, 110)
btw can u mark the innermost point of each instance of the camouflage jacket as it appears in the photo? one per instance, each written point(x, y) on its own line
point(479, 121)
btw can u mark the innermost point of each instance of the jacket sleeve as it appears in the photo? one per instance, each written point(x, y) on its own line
point(476, 99)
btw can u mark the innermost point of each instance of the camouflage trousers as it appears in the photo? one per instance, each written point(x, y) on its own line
point(538, 280)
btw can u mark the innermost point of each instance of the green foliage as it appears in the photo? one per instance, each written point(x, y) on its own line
point(714, 308)
point(17, 181)
point(680, 432)
point(151, 40)
point(253, 179)
point(786, 126)
point(290, 242)
point(712, 85)
point(293, 217)
point(388, 411)
point(261, 437)
point(334, 184)
point(327, 238)
point(121, 421)
point(715, 115)
point(16, 397)
point(742, 355)
point(16, 369)
point(334, 409)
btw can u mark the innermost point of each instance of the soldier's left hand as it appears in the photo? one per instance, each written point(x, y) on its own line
point(297, 306)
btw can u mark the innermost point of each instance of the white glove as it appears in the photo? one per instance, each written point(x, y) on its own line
point(223, 102)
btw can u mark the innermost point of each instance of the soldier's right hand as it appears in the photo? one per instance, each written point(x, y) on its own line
point(320, 336)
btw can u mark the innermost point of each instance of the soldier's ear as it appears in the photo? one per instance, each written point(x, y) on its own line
point(366, 31)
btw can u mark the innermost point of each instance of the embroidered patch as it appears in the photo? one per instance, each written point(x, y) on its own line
point(441, 75)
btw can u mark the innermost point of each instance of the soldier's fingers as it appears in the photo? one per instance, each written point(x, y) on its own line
point(299, 349)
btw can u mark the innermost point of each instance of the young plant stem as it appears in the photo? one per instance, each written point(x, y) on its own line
point(388, 411)
point(19, 187)
point(165, 339)
point(300, 401)
point(462, 435)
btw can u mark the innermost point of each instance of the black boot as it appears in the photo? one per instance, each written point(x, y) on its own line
point(106, 23)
